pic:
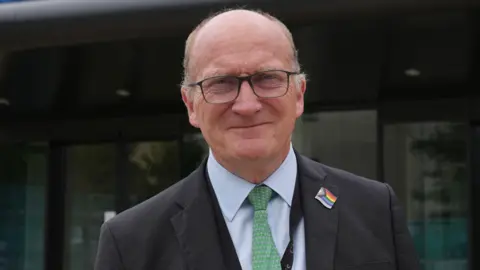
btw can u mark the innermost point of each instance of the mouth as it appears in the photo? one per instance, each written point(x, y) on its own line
point(248, 126)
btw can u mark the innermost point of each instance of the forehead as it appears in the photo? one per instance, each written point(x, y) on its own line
point(240, 45)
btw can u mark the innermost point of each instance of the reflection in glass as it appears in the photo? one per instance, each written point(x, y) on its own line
point(426, 165)
point(152, 167)
point(23, 174)
point(345, 140)
point(90, 195)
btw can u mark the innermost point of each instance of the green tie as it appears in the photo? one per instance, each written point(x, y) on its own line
point(265, 255)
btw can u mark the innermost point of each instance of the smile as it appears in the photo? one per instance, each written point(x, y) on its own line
point(249, 126)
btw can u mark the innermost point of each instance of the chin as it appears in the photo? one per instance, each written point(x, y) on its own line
point(252, 149)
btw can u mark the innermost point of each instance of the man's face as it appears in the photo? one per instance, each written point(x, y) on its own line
point(248, 128)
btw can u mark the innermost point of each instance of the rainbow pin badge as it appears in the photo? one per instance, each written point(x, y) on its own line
point(326, 198)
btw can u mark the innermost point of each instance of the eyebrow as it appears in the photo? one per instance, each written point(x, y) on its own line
point(267, 68)
point(219, 72)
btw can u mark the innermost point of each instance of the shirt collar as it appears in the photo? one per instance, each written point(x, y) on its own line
point(231, 190)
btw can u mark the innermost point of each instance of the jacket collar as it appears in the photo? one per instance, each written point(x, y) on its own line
point(196, 228)
point(195, 225)
point(321, 223)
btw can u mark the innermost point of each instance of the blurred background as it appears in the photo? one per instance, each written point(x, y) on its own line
point(92, 122)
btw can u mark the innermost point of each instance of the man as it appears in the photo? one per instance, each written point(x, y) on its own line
point(255, 203)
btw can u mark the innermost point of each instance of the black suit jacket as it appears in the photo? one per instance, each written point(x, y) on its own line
point(176, 229)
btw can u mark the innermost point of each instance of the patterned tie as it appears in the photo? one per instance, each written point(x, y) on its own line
point(265, 255)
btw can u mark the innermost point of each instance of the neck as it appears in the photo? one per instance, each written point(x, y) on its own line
point(254, 170)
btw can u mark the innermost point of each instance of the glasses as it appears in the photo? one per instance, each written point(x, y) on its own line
point(265, 84)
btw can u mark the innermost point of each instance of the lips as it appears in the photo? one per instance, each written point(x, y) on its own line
point(249, 126)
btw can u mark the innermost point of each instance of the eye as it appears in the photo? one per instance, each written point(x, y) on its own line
point(220, 81)
point(267, 77)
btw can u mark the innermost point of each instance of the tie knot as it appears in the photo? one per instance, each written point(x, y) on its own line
point(259, 197)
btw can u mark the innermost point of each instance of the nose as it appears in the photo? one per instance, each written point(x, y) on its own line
point(247, 103)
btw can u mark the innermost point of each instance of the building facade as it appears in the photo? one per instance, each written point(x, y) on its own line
point(91, 125)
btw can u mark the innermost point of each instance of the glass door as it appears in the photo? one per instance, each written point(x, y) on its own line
point(90, 197)
point(426, 164)
point(151, 167)
point(475, 198)
point(23, 180)
point(105, 179)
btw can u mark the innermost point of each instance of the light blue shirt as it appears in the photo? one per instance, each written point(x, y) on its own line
point(232, 191)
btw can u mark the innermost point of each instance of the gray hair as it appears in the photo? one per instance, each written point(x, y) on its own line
point(191, 39)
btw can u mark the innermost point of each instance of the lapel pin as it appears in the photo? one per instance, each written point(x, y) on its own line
point(326, 198)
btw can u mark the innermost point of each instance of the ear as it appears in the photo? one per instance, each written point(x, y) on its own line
point(188, 100)
point(300, 93)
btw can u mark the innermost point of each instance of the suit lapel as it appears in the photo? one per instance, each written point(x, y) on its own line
point(321, 223)
point(195, 225)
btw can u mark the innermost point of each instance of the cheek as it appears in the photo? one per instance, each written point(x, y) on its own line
point(284, 109)
point(286, 114)
point(211, 116)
